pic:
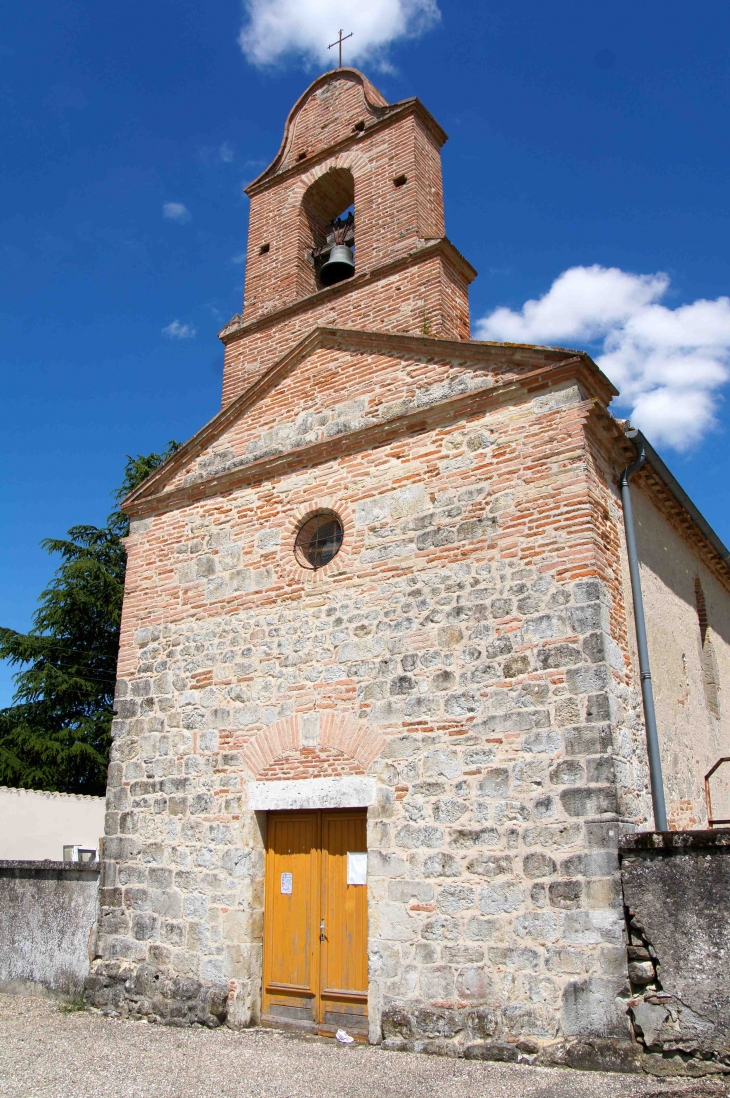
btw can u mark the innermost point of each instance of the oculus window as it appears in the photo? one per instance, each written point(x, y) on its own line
point(318, 540)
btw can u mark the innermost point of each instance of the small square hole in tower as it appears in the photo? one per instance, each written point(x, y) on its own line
point(264, 249)
point(400, 180)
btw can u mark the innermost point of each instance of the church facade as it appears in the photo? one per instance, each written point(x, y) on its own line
point(378, 720)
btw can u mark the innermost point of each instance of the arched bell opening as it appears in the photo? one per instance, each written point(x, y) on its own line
point(328, 230)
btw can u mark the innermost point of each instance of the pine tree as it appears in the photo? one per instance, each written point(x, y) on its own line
point(56, 735)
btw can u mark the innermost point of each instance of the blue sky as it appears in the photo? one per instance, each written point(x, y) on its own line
point(581, 136)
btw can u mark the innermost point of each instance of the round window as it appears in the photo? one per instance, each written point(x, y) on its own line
point(318, 541)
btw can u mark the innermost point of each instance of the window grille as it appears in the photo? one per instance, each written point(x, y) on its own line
point(318, 540)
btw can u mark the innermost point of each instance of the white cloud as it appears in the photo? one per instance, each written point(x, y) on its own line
point(176, 211)
point(212, 155)
point(304, 28)
point(176, 330)
point(238, 259)
point(669, 364)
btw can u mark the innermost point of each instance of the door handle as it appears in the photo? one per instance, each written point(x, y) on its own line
point(322, 936)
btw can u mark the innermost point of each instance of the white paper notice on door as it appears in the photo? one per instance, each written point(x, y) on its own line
point(286, 884)
point(357, 869)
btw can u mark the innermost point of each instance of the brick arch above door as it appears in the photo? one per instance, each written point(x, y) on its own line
point(312, 745)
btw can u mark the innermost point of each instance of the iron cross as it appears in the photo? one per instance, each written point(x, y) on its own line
point(339, 42)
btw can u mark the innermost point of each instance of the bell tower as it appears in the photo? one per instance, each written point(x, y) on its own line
point(346, 229)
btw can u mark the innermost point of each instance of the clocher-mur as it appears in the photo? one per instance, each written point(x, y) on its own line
point(380, 606)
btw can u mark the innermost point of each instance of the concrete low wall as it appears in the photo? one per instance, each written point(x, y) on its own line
point(47, 912)
point(676, 888)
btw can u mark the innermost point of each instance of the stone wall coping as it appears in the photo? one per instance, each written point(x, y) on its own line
point(674, 841)
point(10, 866)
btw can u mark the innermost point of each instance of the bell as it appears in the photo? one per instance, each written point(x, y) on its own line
point(339, 265)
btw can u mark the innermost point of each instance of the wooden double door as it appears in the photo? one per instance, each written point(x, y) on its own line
point(315, 921)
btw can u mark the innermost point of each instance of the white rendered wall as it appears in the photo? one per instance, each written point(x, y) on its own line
point(691, 737)
point(36, 825)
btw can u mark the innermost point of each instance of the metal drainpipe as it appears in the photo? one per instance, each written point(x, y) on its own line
point(647, 693)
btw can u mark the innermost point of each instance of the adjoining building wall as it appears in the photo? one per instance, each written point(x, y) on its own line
point(37, 825)
point(47, 914)
point(688, 625)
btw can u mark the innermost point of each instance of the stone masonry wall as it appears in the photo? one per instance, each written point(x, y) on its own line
point(471, 630)
point(308, 405)
point(605, 459)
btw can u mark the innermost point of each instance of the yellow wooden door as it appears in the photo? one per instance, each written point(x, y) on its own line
point(344, 957)
point(291, 942)
point(315, 922)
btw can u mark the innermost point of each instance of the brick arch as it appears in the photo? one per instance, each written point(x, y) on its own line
point(311, 762)
point(327, 196)
point(349, 165)
point(363, 171)
point(342, 744)
point(288, 561)
point(351, 160)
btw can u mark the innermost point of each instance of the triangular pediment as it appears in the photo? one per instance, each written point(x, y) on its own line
point(333, 387)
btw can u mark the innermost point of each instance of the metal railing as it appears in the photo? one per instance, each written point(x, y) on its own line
point(711, 821)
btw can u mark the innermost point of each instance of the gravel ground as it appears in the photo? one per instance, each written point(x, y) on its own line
point(45, 1053)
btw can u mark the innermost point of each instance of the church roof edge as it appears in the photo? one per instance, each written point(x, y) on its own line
point(675, 488)
point(356, 340)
